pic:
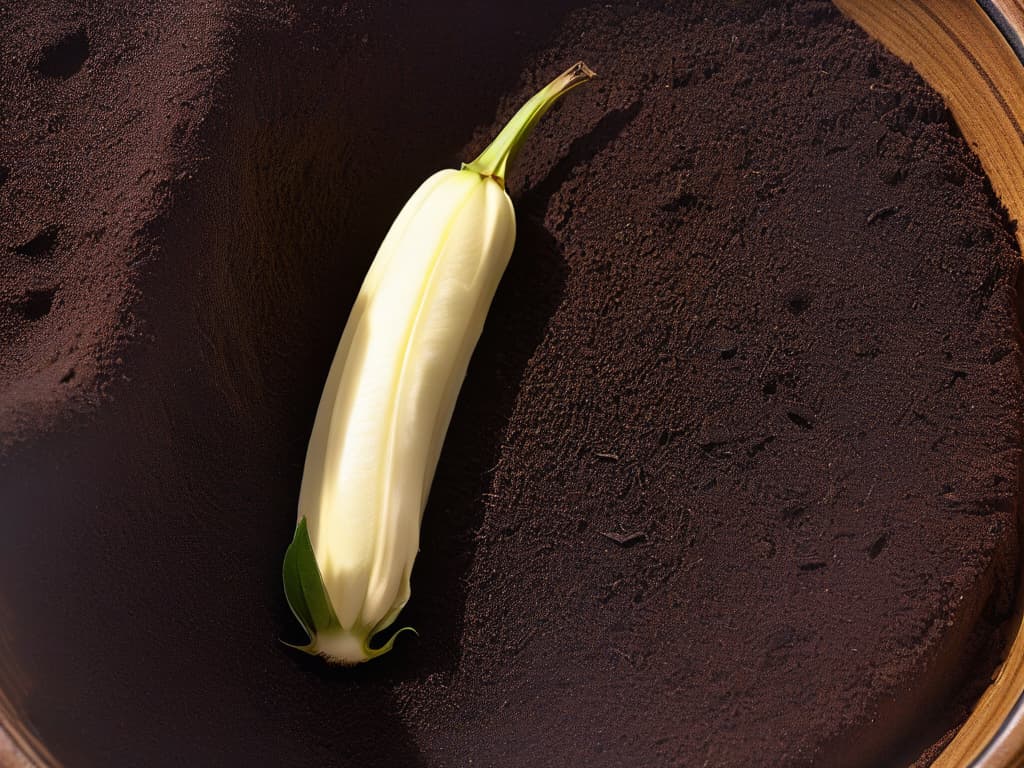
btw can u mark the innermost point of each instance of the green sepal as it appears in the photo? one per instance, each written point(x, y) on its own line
point(309, 648)
point(373, 653)
point(304, 588)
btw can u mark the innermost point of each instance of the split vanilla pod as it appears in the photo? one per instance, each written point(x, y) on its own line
point(391, 391)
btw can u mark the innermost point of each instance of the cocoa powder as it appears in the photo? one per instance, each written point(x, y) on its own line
point(733, 478)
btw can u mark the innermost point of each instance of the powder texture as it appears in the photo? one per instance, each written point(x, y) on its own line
point(733, 479)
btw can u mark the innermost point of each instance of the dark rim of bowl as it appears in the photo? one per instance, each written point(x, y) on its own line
point(1013, 718)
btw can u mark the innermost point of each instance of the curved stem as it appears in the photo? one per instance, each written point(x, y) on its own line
point(494, 160)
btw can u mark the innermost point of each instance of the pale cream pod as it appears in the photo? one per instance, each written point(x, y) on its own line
point(391, 391)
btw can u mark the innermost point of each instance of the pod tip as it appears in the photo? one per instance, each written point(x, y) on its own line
point(581, 70)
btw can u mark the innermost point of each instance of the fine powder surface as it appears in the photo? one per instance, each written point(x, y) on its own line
point(733, 477)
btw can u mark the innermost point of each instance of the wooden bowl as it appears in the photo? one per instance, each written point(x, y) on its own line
point(973, 54)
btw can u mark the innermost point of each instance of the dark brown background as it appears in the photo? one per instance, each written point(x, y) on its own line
point(734, 469)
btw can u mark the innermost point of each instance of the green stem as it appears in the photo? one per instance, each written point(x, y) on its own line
point(494, 160)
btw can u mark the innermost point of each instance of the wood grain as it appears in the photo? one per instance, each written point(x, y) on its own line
point(19, 747)
point(10, 755)
point(963, 55)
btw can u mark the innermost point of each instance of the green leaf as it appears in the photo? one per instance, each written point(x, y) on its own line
point(304, 586)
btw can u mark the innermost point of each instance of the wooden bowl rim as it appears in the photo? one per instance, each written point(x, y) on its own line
point(983, 85)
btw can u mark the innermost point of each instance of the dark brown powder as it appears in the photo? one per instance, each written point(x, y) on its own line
point(733, 479)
